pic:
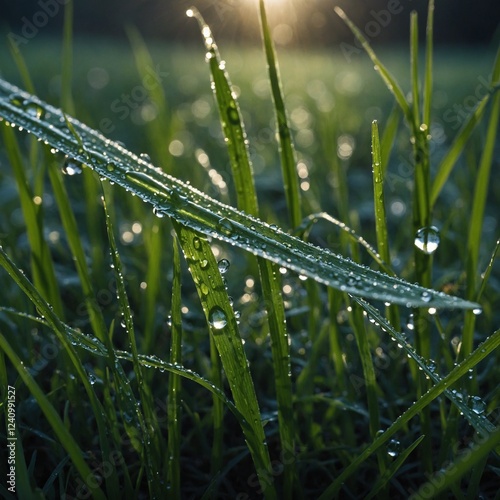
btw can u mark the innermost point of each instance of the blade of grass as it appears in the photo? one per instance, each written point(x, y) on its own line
point(174, 385)
point(224, 330)
point(206, 215)
point(286, 148)
point(233, 129)
point(450, 476)
point(483, 350)
point(392, 311)
point(75, 244)
point(64, 436)
point(67, 103)
point(421, 219)
point(429, 47)
point(56, 324)
point(230, 117)
point(150, 447)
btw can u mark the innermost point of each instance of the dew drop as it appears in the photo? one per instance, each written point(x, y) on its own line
point(393, 448)
point(223, 265)
point(33, 109)
point(70, 167)
point(225, 226)
point(427, 239)
point(197, 243)
point(111, 167)
point(477, 311)
point(426, 296)
point(217, 318)
point(477, 405)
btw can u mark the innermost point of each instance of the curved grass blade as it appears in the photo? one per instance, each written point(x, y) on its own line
point(478, 421)
point(194, 209)
point(482, 351)
point(287, 151)
point(174, 384)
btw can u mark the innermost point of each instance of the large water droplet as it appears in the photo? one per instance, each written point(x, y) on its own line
point(33, 109)
point(223, 265)
point(427, 239)
point(217, 318)
point(426, 296)
point(477, 405)
point(393, 448)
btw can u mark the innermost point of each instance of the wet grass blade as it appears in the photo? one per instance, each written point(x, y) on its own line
point(482, 351)
point(174, 384)
point(427, 367)
point(287, 150)
point(450, 476)
point(59, 329)
point(142, 417)
point(429, 48)
point(194, 209)
point(75, 244)
point(224, 331)
point(230, 118)
point(60, 430)
point(380, 212)
point(271, 288)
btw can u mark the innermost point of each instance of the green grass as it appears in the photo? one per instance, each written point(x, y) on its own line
point(215, 374)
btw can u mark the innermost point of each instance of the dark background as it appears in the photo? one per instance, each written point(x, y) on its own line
point(314, 22)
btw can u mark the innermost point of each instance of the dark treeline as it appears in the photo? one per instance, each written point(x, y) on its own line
point(313, 22)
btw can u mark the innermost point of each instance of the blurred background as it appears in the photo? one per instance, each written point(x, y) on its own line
point(310, 22)
point(166, 109)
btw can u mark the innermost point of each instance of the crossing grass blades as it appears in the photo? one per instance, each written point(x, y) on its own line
point(123, 413)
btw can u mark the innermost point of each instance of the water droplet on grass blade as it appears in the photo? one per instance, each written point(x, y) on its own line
point(393, 448)
point(33, 109)
point(426, 296)
point(225, 226)
point(223, 265)
point(217, 318)
point(427, 239)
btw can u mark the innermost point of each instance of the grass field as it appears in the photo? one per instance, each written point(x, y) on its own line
point(173, 363)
